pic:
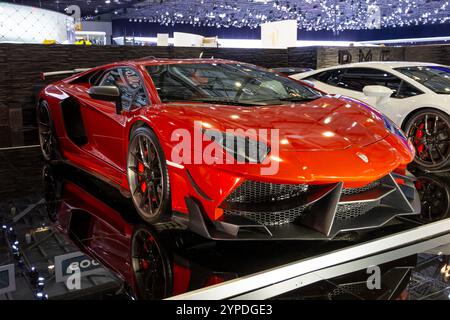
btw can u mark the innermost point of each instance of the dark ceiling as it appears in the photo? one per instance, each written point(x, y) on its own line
point(336, 15)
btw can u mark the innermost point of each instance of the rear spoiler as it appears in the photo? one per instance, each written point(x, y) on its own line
point(44, 75)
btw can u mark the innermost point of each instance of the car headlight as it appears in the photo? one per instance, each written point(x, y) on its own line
point(243, 149)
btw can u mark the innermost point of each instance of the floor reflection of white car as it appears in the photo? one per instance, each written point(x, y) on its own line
point(416, 96)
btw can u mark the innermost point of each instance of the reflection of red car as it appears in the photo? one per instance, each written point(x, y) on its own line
point(333, 165)
point(166, 260)
point(147, 259)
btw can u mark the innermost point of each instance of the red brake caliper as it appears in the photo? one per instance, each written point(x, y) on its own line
point(419, 135)
point(418, 185)
point(141, 169)
point(145, 264)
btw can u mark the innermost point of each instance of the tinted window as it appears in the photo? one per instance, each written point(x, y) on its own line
point(95, 77)
point(357, 78)
point(331, 77)
point(318, 76)
point(436, 78)
point(407, 90)
point(130, 85)
point(226, 83)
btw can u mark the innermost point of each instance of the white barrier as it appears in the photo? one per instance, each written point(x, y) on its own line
point(274, 282)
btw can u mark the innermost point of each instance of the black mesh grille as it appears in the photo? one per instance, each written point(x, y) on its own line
point(254, 192)
point(354, 289)
point(370, 186)
point(351, 211)
point(271, 218)
point(260, 192)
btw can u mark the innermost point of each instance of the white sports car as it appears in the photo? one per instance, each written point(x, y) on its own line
point(416, 96)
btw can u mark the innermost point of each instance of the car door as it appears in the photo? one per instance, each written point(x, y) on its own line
point(402, 101)
point(106, 126)
point(355, 79)
point(330, 82)
point(351, 82)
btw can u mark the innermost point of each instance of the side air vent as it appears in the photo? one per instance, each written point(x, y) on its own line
point(73, 121)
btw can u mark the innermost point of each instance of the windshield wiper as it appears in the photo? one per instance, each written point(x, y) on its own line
point(298, 99)
point(289, 99)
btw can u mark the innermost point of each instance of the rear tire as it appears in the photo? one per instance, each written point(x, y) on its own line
point(52, 191)
point(429, 131)
point(47, 134)
point(148, 176)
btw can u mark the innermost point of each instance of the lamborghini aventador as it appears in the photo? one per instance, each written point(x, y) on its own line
point(230, 150)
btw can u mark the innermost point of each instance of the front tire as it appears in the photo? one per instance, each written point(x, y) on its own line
point(151, 266)
point(434, 196)
point(148, 176)
point(429, 131)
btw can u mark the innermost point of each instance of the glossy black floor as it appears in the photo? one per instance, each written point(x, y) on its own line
point(55, 217)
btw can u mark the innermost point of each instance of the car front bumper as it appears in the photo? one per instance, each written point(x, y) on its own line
point(324, 213)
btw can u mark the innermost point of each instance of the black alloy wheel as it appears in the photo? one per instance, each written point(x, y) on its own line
point(148, 176)
point(434, 193)
point(47, 135)
point(151, 266)
point(429, 131)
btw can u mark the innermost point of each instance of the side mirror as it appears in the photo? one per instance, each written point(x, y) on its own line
point(381, 93)
point(107, 93)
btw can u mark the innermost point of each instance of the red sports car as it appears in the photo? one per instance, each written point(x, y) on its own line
point(231, 150)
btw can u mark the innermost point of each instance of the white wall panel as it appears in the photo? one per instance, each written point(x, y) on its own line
point(279, 34)
point(33, 25)
point(182, 39)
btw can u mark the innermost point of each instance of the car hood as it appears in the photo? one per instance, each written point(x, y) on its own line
point(328, 123)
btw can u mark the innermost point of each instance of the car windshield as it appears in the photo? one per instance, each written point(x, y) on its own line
point(435, 78)
point(223, 83)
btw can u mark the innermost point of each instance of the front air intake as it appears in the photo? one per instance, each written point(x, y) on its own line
point(328, 209)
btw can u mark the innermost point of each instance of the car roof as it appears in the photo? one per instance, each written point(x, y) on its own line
point(383, 64)
point(151, 61)
point(157, 61)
